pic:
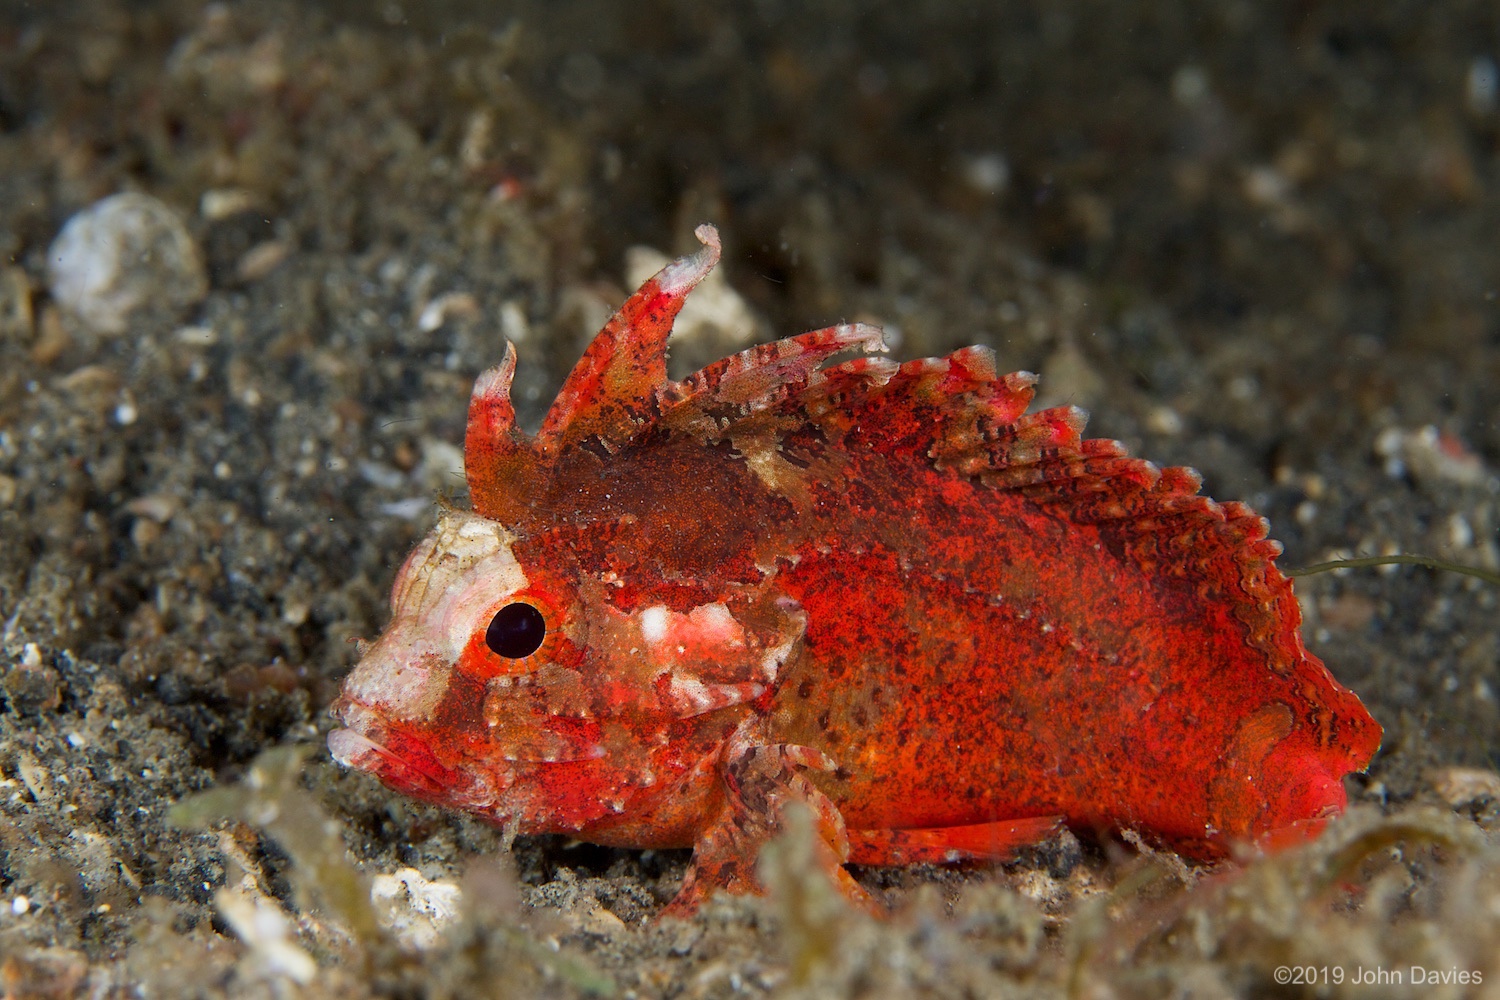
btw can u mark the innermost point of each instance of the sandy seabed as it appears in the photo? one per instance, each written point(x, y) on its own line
point(1257, 239)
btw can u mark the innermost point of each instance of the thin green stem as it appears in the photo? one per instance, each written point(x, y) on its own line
point(1489, 576)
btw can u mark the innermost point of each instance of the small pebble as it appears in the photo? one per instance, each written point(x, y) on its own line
point(987, 173)
point(1190, 86)
point(449, 305)
point(1482, 85)
point(17, 319)
point(221, 203)
point(1460, 532)
point(513, 323)
point(261, 259)
point(1164, 420)
point(1458, 786)
point(124, 254)
point(196, 336)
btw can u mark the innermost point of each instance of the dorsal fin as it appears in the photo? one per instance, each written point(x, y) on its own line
point(757, 378)
point(610, 395)
point(612, 391)
point(500, 462)
point(956, 413)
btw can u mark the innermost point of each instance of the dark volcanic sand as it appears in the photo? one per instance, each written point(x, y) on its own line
point(1257, 239)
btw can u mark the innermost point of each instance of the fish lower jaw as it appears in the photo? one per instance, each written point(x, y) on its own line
point(406, 767)
point(354, 750)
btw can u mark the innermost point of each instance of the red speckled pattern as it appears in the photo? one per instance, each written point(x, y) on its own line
point(886, 592)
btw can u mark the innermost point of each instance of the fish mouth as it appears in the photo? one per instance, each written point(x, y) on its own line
point(357, 751)
point(400, 761)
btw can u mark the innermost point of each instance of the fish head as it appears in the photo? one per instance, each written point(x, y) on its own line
point(458, 701)
point(519, 686)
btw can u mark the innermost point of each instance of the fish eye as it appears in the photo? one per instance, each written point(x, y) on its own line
point(517, 630)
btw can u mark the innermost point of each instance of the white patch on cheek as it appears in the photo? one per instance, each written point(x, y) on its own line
point(681, 647)
point(710, 626)
point(716, 623)
point(654, 624)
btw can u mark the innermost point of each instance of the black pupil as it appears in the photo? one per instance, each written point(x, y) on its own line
point(517, 630)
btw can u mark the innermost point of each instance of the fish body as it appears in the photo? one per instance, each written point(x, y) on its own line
point(884, 591)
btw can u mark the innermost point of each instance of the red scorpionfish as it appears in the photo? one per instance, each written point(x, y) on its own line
point(884, 591)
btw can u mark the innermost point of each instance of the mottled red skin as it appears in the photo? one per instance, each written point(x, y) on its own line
point(987, 625)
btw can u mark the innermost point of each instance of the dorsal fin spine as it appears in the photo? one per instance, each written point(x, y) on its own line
point(500, 461)
point(611, 392)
